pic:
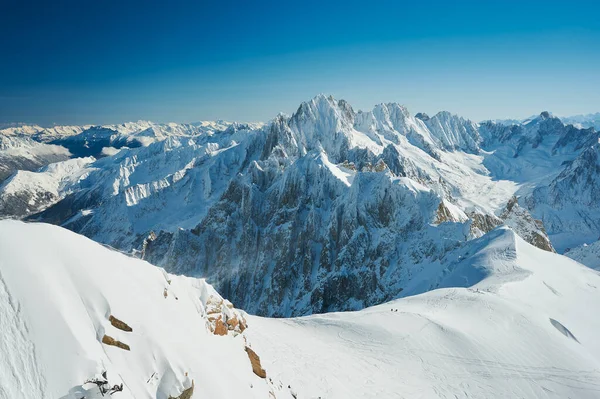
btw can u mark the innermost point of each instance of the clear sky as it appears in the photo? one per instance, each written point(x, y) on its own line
point(89, 61)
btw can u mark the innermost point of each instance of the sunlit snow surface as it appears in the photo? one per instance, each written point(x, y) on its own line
point(525, 328)
point(57, 291)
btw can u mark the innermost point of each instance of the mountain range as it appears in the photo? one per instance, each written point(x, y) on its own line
point(328, 209)
point(333, 253)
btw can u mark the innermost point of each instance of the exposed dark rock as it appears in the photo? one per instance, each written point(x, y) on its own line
point(108, 340)
point(119, 324)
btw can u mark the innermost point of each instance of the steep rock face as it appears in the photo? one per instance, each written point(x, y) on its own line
point(569, 205)
point(312, 242)
point(525, 226)
point(454, 132)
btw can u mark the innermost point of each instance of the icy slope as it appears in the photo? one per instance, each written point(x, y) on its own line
point(525, 328)
point(58, 291)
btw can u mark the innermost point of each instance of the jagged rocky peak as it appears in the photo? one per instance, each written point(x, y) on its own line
point(545, 115)
point(324, 107)
point(528, 228)
point(454, 132)
point(395, 116)
point(422, 116)
point(323, 123)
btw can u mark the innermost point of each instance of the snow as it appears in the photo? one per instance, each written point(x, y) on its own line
point(584, 121)
point(522, 328)
point(589, 255)
point(57, 291)
point(343, 174)
point(23, 153)
point(327, 209)
point(52, 178)
point(508, 320)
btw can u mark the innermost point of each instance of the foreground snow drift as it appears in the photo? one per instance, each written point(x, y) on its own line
point(526, 328)
point(58, 291)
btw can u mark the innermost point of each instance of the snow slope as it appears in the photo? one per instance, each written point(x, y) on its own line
point(27, 192)
point(23, 153)
point(507, 320)
point(524, 327)
point(57, 292)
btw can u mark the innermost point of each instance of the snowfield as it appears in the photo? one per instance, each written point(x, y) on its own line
point(57, 292)
point(523, 325)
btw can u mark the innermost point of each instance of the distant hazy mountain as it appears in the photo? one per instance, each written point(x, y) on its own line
point(584, 121)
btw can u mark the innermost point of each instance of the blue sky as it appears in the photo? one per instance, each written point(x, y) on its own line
point(74, 62)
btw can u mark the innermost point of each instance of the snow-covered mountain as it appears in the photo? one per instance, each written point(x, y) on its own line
point(102, 140)
point(107, 139)
point(27, 192)
point(24, 153)
point(584, 121)
point(327, 209)
point(507, 320)
point(39, 133)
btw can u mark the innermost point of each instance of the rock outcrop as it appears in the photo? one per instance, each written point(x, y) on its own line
point(255, 362)
point(530, 229)
point(108, 340)
point(121, 325)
